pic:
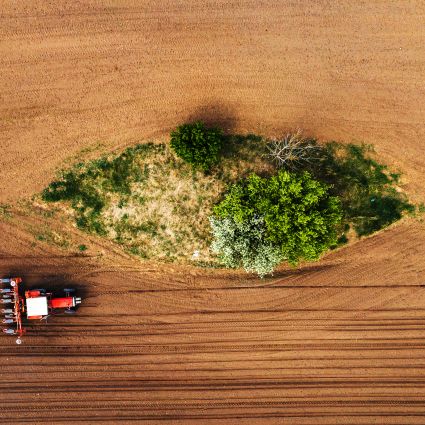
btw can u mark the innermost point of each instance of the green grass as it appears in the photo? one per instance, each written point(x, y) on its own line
point(370, 193)
point(146, 199)
point(5, 211)
point(51, 237)
point(155, 206)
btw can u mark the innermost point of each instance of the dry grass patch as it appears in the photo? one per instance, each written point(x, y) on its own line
point(151, 202)
point(155, 206)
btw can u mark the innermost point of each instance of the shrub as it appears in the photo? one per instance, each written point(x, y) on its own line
point(244, 244)
point(197, 145)
point(300, 216)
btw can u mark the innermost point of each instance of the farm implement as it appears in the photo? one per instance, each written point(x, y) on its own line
point(34, 304)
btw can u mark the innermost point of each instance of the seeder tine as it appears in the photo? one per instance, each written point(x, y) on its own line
point(9, 294)
point(6, 300)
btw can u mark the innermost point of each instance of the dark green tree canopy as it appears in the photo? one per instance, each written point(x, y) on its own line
point(197, 145)
point(299, 215)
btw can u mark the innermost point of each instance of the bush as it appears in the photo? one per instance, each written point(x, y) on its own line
point(197, 145)
point(244, 244)
point(300, 216)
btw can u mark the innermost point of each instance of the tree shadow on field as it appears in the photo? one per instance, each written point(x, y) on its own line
point(215, 114)
point(239, 151)
point(303, 271)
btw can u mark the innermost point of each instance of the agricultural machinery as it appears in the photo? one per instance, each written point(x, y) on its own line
point(35, 304)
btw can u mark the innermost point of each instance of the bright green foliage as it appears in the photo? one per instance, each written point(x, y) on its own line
point(197, 145)
point(244, 244)
point(300, 217)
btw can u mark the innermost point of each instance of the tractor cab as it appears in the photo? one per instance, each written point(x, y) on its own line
point(36, 307)
point(40, 304)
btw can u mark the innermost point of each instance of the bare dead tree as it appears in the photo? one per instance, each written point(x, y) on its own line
point(292, 151)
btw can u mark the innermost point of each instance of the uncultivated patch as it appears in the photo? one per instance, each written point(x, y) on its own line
point(5, 211)
point(51, 237)
point(371, 195)
point(151, 202)
point(156, 206)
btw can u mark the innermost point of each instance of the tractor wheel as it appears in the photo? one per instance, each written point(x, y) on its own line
point(69, 311)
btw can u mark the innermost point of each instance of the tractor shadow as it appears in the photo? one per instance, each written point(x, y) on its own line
point(55, 283)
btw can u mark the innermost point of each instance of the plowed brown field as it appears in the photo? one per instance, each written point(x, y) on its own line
point(341, 341)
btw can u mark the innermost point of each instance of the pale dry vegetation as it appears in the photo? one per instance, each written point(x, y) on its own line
point(156, 206)
point(165, 216)
point(151, 202)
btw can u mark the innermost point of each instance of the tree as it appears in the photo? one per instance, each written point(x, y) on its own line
point(197, 145)
point(244, 244)
point(299, 215)
point(293, 152)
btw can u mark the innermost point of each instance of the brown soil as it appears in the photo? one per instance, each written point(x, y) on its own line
point(337, 342)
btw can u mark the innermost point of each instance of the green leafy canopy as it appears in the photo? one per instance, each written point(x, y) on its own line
point(299, 215)
point(244, 244)
point(197, 145)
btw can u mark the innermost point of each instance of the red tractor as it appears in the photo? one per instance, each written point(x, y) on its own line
point(38, 304)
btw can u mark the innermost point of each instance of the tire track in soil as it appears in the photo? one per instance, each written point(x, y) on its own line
point(214, 366)
point(341, 342)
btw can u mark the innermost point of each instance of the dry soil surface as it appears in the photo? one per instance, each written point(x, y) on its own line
point(337, 342)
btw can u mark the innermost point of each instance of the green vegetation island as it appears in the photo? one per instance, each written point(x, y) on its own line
point(228, 200)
